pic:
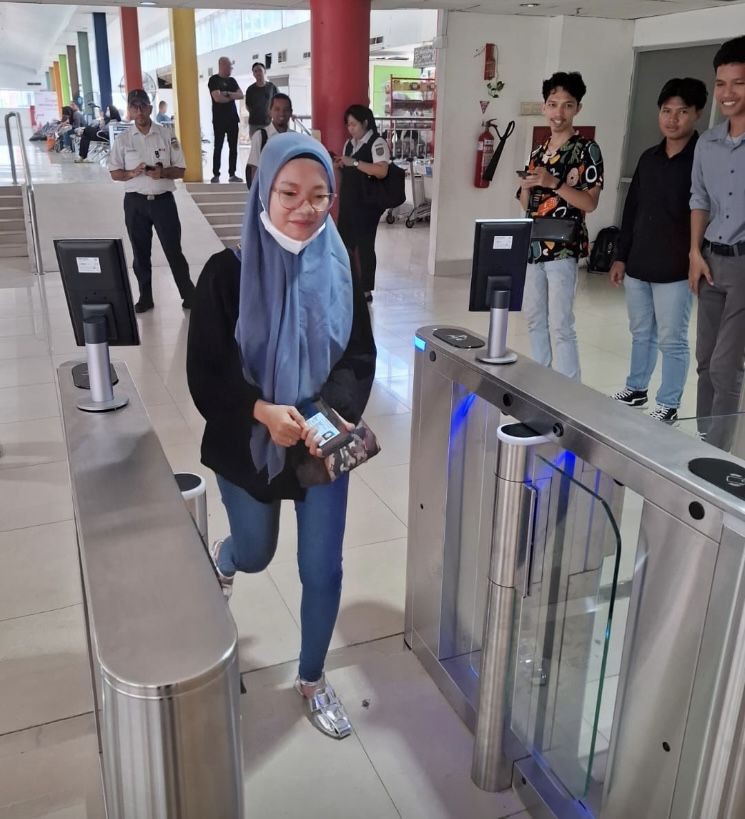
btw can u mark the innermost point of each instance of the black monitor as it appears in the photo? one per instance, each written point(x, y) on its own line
point(94, 276)
point(500, 257)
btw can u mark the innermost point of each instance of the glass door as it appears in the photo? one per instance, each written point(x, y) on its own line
point(564, 620)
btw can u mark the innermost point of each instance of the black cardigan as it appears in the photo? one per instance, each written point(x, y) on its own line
point(226, 400)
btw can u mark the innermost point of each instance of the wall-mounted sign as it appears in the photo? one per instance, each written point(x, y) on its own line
point(424, 56)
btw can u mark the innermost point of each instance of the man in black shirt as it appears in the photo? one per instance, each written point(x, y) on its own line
point(652, 252)
point(259, 97)
point(225, 91)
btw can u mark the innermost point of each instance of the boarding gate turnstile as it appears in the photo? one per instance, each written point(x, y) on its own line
point(576, 588)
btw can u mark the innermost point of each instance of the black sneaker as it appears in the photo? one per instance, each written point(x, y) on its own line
point(632, 398)
point(144, 304)
point(666, 414)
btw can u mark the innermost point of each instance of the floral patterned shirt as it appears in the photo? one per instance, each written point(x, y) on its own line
point(579, 164)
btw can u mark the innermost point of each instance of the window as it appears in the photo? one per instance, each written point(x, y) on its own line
point(15, 99)
point(292, 18)
point(282, 56)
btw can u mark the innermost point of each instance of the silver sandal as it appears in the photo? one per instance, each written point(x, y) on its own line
point(325, 709)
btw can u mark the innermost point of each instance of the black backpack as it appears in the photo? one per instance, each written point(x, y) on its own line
point(603, 250)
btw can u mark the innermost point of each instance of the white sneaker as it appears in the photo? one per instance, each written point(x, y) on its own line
point(226, 581)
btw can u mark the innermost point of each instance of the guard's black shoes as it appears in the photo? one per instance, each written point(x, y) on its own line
point(144, 304)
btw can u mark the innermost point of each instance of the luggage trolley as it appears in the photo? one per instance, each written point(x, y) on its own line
point(422, 204)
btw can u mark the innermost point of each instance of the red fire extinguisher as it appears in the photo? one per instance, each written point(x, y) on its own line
point(484, 153)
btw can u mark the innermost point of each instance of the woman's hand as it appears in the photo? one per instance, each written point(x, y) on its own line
point(285, 424)
point(339, 161)
point(313, 442)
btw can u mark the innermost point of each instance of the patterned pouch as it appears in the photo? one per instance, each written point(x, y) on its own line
point(363, 445)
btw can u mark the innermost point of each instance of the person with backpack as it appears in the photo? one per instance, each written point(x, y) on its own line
point(563, 183)
point(652, 252)
point(366, 154)
point(280, 112)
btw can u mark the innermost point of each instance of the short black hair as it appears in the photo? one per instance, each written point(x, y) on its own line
point(733, 51)
point(255, 64)
point(692, 91)
point(280, 96)
point(362, 114)
point(571, 82)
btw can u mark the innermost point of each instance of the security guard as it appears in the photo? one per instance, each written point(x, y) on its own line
point(147, 159)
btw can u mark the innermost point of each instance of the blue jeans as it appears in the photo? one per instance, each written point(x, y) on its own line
point(658, 318)
point(548, 304)
point(252, 542)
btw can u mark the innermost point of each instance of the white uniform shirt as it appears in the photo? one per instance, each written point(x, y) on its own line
point(380, 150)
point(257, 147)
point(132, 147)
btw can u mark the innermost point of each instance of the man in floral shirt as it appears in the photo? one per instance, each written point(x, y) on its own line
point(565, 177)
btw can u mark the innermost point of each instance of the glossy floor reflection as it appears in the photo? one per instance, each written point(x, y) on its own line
point(410, 755)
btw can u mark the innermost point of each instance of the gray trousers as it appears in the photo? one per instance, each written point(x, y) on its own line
point(720, 345)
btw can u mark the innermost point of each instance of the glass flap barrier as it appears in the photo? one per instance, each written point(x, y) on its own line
point(564, 622)
point(726, 432)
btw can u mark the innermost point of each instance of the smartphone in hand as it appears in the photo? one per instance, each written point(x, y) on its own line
point(523, 174)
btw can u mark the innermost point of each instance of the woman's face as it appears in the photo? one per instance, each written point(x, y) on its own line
point(356, 128)
point(298, 183)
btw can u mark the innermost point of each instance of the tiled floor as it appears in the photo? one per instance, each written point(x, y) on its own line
point(410, 755)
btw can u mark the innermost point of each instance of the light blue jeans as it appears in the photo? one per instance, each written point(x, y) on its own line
point(548, 305)
point(658, 318)
point(250, 547)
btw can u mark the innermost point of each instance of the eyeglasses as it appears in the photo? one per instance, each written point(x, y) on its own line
point(139, 106)
point(292, 200)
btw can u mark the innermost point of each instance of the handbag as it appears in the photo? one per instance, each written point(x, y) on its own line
point(313, 471)
point(550, 229)
point(386, 193)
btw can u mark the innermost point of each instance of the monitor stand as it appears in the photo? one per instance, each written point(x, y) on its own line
point(496, 345)
point(99, 369)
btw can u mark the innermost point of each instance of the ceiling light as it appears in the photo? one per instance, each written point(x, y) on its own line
point(148, 3)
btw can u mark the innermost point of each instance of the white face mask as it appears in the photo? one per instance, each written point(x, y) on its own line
point(287, 243)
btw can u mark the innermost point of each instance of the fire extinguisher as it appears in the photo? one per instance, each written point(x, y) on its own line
point(484, 154)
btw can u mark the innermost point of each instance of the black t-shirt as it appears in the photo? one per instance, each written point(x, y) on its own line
point(258, 99)
point(223, 112)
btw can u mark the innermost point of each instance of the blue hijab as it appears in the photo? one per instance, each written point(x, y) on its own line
point(295, 311)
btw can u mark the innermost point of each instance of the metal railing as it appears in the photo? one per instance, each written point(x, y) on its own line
point(28, 185)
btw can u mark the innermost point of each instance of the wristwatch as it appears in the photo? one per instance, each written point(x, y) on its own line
point(356, 163)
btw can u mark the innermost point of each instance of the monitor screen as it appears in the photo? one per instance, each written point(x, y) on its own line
point(94, 276)
point(500, 256)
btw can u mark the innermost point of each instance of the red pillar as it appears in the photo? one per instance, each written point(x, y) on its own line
point(340, 64)
point(131, 48)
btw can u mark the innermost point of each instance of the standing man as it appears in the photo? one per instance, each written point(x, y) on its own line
point(225, 91)
point(652, 252)
point(258, 98)
point(565, 177)
point(280, 112)
point(147, 159)
point(717, 263)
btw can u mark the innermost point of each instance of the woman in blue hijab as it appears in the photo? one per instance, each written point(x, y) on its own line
point(276, 325)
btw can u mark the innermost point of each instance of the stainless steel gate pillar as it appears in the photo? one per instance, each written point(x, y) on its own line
point(513, 524)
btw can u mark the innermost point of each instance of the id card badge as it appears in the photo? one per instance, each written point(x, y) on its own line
point(327, 424)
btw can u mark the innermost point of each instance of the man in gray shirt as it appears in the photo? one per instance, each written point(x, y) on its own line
point(717, 255)
point(258, 99)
